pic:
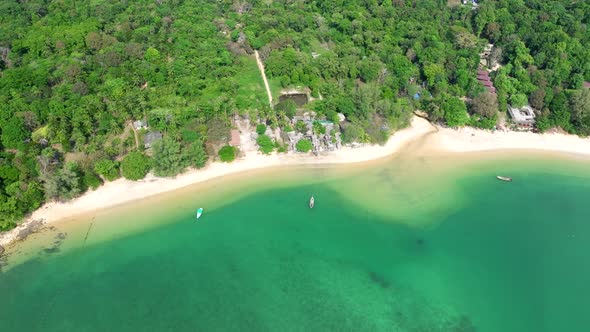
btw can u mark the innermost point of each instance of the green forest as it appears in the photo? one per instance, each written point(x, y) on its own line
point(75, 75)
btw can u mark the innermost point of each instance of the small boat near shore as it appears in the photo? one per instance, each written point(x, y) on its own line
point(311, 202)
point(504, 178)
point(199, 213)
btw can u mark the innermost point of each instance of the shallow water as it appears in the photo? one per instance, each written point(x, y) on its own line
point(430, 244)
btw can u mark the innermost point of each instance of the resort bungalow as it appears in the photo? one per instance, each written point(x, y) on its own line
point(524, 116)
point(483, 77)
point(140, 124)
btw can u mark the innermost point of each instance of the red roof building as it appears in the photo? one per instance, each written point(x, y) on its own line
point(235, 138)
point(484, 78)
point(483, 72)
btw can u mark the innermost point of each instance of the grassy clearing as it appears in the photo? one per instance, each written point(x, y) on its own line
point(275, 88)
point(248, 88)
point(251, 89)
point(317, 47)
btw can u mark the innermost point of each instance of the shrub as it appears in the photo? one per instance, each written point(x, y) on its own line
point(227, 154)
point(301, 126)
point(304, 145)
point(318, 129)
point(135, 166)
point(260, 129)
point(109, 169)
point(265, 143)
point(91, 180)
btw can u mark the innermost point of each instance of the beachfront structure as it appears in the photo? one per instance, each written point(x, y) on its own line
point(522, 116)
point(329, 141)
point(235, 138)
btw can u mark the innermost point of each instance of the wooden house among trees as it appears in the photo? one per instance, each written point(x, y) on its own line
point(483, 77)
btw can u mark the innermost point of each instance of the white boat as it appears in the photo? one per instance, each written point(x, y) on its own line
point(199, 213)
point(504, 178)
point(311, 202)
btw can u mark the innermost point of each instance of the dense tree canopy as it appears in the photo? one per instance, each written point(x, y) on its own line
point(168, 159)
point(485, 104)
point(75, 75)
point(107, 168)
point(194, 154)
point(455, 112)
point(265, 143)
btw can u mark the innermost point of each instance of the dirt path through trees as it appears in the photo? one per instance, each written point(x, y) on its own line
point(261, 67)
point(136, 136)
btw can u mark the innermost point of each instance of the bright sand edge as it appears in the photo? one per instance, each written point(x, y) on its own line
point(443, 139)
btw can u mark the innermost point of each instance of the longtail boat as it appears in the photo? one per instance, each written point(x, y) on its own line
point(504, 178)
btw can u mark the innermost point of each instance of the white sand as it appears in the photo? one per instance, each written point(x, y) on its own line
point(462, 140)
point(471, 139)
point(122, 190)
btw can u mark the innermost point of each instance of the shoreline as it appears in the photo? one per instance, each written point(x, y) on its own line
point(470, 139)
point(123, 191)
point(463, 140)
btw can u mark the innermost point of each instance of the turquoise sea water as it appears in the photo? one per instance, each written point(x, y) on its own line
point(507, 257)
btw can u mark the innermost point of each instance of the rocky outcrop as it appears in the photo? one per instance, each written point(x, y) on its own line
point(29, 229)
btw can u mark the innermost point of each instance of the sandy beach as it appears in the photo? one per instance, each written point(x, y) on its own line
point(470, 140)
point(439, 139)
